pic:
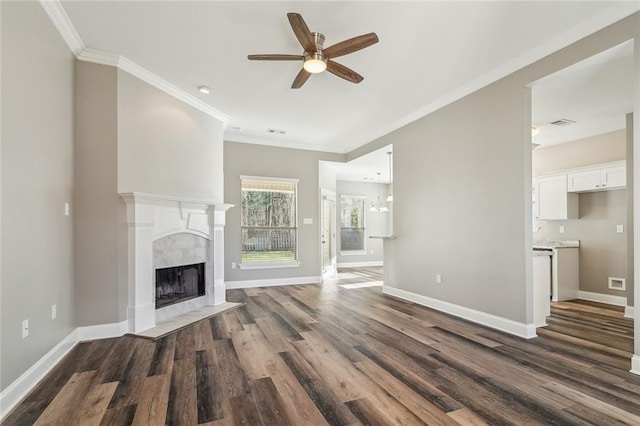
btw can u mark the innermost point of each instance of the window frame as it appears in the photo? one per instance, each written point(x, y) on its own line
point(258, 264)
point(343, 252)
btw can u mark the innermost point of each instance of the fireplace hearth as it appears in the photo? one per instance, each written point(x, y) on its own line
point(179, 283)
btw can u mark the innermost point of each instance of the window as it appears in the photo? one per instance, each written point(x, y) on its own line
point(352, 224)
point(269, 223)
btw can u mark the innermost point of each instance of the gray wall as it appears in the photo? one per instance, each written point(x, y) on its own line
point(37, 178)
point(598, 149)
point(603, 251)
point(97, 199)
point(260, 160)
point(462, 185)
point(166, 146)
point(376, 223)
point(131, 137)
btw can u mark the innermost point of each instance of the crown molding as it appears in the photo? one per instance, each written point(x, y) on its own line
point(147, 76)
point(61, 21)
point(99, 57)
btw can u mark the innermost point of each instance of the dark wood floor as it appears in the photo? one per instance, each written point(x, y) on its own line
point(312, 355)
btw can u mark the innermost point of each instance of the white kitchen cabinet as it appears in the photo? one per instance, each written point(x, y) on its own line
point(598, 178)
point(553, 202)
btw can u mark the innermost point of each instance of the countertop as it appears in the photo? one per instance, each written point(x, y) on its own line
point(555, 244)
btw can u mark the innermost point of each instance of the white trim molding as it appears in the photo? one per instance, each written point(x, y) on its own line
point(360, 264)
point(506, 325)
point(270, 265)
point(629, 312)
point(63, 24)
point(16, 391)
point(602, 298)
point(231, 285)
point(635, 365)
point(102, 331)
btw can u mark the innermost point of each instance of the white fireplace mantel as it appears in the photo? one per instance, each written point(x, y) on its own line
point(151, 217)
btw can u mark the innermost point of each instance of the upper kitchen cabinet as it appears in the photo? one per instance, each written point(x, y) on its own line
point(553, 202)
point(598, 178)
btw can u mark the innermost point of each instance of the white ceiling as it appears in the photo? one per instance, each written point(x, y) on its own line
point(429, 54)
point(595, 93)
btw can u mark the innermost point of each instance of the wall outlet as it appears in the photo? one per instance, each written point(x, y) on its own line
point(66, 209)
point(307, 221)
point(561, 229)
point(371, 251)
point(25, 328)
point(54, 312)
point(619, 229)
point(234, 265)
point(438, 279)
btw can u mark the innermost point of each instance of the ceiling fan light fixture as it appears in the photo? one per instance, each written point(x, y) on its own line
point(315, 63)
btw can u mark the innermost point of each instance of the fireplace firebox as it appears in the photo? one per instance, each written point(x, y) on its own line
point(179, 283)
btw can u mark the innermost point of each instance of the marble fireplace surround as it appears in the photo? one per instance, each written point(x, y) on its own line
point(152, 217)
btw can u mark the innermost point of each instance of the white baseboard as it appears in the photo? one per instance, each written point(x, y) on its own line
point(232, 285)
point(13, 394)
point(17, 390)
point(635, 365)
point(103, 331)
point(519, 329)
point(360, 264)
point(602, 298)
point(629, 311)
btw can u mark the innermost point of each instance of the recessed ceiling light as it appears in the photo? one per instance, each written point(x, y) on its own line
point(204, 89)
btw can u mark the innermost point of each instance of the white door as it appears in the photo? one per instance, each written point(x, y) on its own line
point(328, 237)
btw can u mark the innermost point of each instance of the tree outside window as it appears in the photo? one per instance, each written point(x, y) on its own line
point(269, 225)
point(352, 226)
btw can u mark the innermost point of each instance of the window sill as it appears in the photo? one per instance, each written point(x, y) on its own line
point(353, 253)
point(269, 265)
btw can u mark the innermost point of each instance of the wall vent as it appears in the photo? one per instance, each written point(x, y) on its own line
point(276, 131)
point(617, 284)
point(562, 122)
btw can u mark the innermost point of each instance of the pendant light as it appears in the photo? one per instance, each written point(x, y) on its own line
point(379, 205)
point(390, 197)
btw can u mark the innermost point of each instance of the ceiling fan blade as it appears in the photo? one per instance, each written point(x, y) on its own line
point(343, 72)
point(302, 32)
point(275, 57)
point(351, 45)
point(300, 79)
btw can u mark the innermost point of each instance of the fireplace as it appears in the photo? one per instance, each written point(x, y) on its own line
point(179, 283)
point(167, 232)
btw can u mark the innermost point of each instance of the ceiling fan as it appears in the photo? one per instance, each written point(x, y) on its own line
point(316, 58)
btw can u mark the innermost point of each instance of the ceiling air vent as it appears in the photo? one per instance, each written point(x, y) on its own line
point(562, 122)
point(276, 131)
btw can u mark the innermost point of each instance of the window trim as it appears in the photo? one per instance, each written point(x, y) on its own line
point(276, 264)
point(364, 227)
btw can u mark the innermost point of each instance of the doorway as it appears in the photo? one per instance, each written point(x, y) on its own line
point(328, 236)
point(581, 166)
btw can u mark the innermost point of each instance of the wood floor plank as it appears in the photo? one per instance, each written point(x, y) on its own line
point(182, 407)
point(324, 354)
point(153, 401)
point(94, 405)
point(58, 411)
